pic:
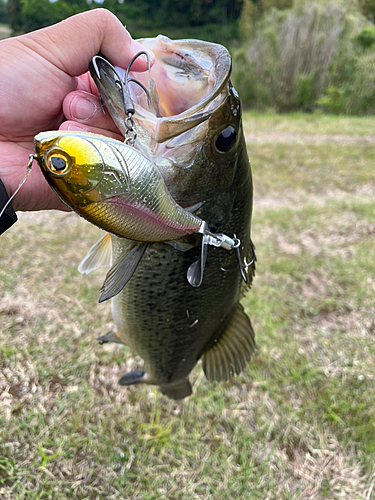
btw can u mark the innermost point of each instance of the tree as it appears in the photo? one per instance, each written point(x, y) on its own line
point(37, 14)
point(367, 8)
point(14, 15)
point(249, 15)
point(3, 12)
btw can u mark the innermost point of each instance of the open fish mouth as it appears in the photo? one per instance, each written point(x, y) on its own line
point(189, 77)
point(186, 84)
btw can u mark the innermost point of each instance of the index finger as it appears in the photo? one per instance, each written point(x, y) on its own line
point(71, 44)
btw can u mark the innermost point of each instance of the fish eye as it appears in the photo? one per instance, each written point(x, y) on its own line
point(59, 163)
point(225, 140)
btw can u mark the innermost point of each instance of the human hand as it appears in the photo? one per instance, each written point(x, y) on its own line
point(44, 85)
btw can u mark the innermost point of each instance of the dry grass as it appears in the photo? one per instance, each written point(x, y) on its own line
point(299, 424)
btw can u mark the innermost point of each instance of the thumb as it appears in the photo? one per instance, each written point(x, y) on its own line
point(71, 44)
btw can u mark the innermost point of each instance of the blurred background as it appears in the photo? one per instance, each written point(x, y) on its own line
point(288, 55)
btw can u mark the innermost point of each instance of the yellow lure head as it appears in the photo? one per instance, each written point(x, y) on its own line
point(112, 185)
point(81, 167)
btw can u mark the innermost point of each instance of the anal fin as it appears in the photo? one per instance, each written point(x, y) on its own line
point(231, 353)
point(177, 391)
point(111, 336)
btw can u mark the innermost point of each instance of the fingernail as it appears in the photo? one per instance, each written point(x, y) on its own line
point(82, 109)
point(73, 126)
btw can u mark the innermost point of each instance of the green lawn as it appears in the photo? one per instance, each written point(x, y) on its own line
point(5, 31)
point(299, 423)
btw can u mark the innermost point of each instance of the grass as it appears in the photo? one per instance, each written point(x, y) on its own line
point(311, 124)
point(299, 423)
point(5, 31)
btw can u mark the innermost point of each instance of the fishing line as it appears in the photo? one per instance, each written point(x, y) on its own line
point(28, 170)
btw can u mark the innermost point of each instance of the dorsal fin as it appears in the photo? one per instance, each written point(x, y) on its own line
point(231, 353)
point(99, 255)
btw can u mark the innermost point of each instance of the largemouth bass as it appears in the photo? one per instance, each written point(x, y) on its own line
point(192, 134)
point(115, 187)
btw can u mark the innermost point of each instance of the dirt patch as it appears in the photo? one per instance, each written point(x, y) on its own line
point(330, 468)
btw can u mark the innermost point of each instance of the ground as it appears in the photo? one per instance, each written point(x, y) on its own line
point(297, 424)
point(4, 31)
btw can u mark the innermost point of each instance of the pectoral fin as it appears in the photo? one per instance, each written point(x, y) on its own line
point(231, 353)
point(122, 270)
point(134, 377)
point(99, 255)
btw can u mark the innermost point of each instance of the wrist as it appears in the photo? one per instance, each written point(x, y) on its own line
point(9, 216)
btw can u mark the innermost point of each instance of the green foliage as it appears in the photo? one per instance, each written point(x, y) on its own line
point(3, 12)
point(266, 5)
point(366, 37)
point(214, 20)
point(308, 56)
point(38, 14)
point(361, 94)
point(304, 88)
point(353, 84)
point(253, 10)
point(368, 8)
point(334, 100)
point(14, 15)
point(246, 22)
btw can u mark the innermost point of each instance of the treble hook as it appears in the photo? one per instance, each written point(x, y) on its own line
point(196, 270)
point(243, 267)
point(127, 79)
point(122, 85)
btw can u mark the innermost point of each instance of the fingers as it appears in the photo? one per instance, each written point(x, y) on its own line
point(84, 108)
point(71, 44)
point(81, 127)
point(83, 113)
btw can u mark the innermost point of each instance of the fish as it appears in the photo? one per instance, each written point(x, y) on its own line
point(189, 127)
point(113, 186)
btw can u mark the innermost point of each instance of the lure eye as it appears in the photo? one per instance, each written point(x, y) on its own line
point(225, 140)
point(59, 163)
